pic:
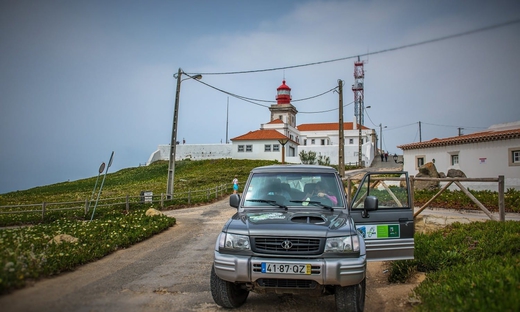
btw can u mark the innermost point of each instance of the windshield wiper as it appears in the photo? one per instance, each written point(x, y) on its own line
point(312, 202)
point(270, 202)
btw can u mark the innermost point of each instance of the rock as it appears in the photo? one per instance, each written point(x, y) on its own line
point(456, 173)
point(442, 175)
point(58, 239)
point(153, 212)
point(427, 170)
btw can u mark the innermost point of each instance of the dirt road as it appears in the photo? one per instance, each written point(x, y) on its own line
point(170, 272)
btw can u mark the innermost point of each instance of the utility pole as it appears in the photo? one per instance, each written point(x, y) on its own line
point(358, 89)
point(359, 135)
point(227, 120)
point(173, 143)
point(420, 132)
point(460, 131)
point(341, 149)
point(380, 138)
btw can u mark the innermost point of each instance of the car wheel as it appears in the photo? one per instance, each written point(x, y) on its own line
point(227, 294)
point(351, 298)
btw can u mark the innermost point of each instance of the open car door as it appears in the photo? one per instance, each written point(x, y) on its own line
point(383, 212)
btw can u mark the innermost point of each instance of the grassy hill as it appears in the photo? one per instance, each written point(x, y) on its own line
point(189, 175)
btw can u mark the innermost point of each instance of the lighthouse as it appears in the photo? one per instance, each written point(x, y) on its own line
point(283, 109)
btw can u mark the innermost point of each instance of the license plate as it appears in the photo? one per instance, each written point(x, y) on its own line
point(281, 268)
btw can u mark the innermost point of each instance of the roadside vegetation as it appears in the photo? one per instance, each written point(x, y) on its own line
point(470, 267)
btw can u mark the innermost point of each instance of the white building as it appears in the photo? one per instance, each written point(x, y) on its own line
point(281, 134)
point(485, 154)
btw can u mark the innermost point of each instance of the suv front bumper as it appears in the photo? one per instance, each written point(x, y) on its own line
point(325, 271)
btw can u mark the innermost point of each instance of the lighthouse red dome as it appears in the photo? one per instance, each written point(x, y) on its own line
point(283, 95)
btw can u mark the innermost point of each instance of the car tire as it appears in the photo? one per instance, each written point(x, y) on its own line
point(227, 294)
point(350, 298)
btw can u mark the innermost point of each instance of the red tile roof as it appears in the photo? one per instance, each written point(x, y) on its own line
point(484, 136)
point(264, 134)
point(331, 126)
point(276, 121)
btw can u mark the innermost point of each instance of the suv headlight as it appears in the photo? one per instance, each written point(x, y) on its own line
point(342, 244)
point(234, 241)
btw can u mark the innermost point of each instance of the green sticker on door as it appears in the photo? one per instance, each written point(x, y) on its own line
point(379, 231)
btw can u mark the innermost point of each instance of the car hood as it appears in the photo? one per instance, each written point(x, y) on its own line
point(289, 223)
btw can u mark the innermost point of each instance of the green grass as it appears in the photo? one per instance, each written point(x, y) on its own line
point(469, 267)
point(29, 253)
point(189, 175)
point(458, 200)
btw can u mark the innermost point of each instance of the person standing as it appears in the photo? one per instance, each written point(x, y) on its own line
point(235, 185)
point(382, 157)
point(386, 157)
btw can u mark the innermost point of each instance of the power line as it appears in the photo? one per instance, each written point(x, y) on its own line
point(461, 34)
point(253, 101)
point(326, 111)
point(449, 126)
point(398, 127)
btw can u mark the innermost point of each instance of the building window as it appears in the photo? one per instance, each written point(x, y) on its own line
point(292, 151)
point(454, 159)
point(312, 141)
point(276, 147)
point(419, 161)
point(322, 141)
point(249, 148)
point(514, 156)
point(305, 142)
point(350, 141)
point(240, 148)
point(280, 117)
point(267, 148)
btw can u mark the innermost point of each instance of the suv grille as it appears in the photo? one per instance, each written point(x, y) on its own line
point(287, 245)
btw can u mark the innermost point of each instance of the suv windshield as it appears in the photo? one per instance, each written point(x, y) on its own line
point(286, 189)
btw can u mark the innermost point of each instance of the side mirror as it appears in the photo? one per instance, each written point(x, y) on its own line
point(234, 200)
point(371, 203)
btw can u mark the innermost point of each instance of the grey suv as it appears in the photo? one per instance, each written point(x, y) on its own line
point(294, 232)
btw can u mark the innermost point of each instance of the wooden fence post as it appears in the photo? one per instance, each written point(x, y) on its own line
point(86, 206)
point(127, 203)
point(501, 199)
point(216, 192)
point(162, 200)
point(412, 192)
point(43, 210)
point(189, 196)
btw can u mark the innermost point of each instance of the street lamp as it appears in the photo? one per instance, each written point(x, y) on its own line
point(381, 138)
point(173, 143)
point(283, 142)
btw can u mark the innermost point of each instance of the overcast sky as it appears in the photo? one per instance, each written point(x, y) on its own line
point(80, 79)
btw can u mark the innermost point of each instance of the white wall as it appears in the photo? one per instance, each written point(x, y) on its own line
point(476, 160)
point(216, 151)
point(192, 151)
